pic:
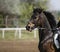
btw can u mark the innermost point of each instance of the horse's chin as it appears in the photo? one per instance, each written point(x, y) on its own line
point(30, 30)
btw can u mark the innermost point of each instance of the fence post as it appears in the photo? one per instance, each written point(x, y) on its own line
point(16, 32)
point(3, 33)
point(19, 33)
point(35, 33)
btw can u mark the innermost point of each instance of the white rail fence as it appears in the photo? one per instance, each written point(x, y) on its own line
point(16, 29)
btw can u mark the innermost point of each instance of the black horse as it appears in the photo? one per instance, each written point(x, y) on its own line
point(44, 21)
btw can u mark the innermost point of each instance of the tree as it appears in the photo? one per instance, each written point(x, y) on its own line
point(21, 7)
point(10, 6)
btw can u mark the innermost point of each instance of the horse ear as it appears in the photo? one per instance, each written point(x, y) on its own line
point(39, 10)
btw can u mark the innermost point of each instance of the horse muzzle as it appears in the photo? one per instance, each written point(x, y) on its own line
point(29, 28)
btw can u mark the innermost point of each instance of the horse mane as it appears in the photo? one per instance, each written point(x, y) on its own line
point(49, 16)
point(51, 19)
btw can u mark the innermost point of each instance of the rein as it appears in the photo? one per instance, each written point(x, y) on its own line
point(49, 29)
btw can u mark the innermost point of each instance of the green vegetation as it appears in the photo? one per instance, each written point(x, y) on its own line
point(26, 9)
point(23, 8)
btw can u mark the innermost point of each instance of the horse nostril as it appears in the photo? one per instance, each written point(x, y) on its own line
point(27, 27)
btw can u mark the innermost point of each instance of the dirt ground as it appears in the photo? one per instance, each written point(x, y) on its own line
point(19, 46)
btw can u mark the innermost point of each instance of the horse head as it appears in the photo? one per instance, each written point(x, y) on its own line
point(36, 19)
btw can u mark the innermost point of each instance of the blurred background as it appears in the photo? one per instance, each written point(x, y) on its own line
point(16, 13)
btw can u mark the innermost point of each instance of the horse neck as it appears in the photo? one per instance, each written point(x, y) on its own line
point(45, 22)
point(47, 31)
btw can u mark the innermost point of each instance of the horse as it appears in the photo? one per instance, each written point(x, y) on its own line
point(45, 22)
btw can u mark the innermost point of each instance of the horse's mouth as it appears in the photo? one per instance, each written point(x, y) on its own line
point(30, 28)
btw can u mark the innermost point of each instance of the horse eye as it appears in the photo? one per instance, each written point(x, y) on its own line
point(34, 17)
